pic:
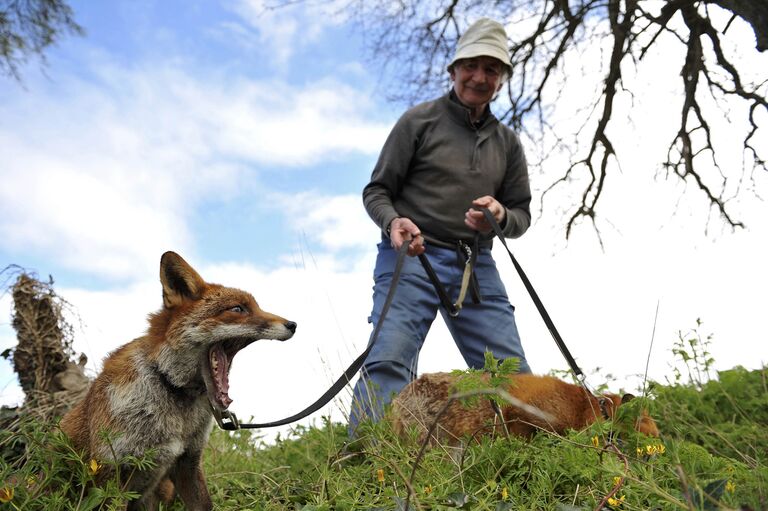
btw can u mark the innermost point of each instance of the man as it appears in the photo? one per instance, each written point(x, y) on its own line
point(443, 159)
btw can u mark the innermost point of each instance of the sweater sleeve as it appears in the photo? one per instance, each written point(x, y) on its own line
point(390, 173)
point(515, 193)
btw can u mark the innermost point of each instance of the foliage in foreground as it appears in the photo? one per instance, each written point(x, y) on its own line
point(712, 455)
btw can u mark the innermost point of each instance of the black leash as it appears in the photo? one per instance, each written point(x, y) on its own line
point(228, 421)
point(442, 294)
point(535, 297)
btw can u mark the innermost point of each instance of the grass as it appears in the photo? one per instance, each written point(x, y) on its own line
point(715, 461)
point(712, 455)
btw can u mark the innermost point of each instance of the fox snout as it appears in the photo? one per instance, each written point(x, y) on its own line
point(291, 327)
point(265, 325)
point(279, 329)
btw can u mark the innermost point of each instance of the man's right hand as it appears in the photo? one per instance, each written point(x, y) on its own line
point(402, 229)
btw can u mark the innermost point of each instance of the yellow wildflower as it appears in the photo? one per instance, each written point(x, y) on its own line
point(6, 494)
point(595, 441)
point(616, 480)
point(380, 475)
point(655, 449)
point(93, 467)
point(639, 451)
point(504, 493)
point(31, 481)
point(730, 487)
point(616, 502)
point(428, 489)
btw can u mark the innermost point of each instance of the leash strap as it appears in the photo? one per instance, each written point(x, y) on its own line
point(535, 297)
point(439, 289)
point(228, 421)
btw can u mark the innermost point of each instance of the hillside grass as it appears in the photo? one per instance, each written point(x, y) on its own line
point(713, 454)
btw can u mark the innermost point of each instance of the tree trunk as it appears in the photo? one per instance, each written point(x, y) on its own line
point(52, 382)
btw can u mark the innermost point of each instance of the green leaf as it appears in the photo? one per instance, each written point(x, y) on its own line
point(94, 498)
point(509, 366)
point(491, 364)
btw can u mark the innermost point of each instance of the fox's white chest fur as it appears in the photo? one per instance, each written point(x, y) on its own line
point(148, 416)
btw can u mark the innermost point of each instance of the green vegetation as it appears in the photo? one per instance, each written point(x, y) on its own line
point(713, 454)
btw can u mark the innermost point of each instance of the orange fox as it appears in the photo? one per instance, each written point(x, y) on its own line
point(541, 402)
point(157, 392)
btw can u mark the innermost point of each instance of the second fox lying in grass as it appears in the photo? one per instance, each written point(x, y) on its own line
point(542, 402)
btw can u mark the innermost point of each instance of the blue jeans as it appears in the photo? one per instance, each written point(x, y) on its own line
point(392, 363)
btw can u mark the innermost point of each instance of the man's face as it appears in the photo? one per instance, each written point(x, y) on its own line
point(476, 80)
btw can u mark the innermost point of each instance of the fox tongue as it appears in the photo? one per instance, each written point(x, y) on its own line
point(220, 375)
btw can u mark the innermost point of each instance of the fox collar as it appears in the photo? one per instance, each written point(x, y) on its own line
point(188, 393)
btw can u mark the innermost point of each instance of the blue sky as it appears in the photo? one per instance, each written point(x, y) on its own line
point(241, 138)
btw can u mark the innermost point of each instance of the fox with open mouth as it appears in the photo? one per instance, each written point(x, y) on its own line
point(159, 392)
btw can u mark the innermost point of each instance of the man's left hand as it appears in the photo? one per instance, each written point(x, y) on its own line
point(475, 219)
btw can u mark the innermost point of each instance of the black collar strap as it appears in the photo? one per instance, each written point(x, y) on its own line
point(187, 392)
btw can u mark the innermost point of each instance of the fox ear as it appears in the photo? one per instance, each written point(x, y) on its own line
point(179, 280)
point(626, 398)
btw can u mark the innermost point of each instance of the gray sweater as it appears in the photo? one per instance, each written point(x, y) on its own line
point(435, 162)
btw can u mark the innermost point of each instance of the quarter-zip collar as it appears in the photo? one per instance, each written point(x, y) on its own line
point(462, 114)
point(483, 128)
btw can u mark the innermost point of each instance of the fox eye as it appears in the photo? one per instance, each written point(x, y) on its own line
point(239, 309)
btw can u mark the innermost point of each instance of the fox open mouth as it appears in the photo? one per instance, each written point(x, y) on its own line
point(219, 362)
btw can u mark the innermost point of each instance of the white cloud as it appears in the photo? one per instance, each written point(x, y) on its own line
point(336, 223)
point(274, 122)
point(10, 391)
point(97, 224)
point(278, 31)
point(109, 178)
